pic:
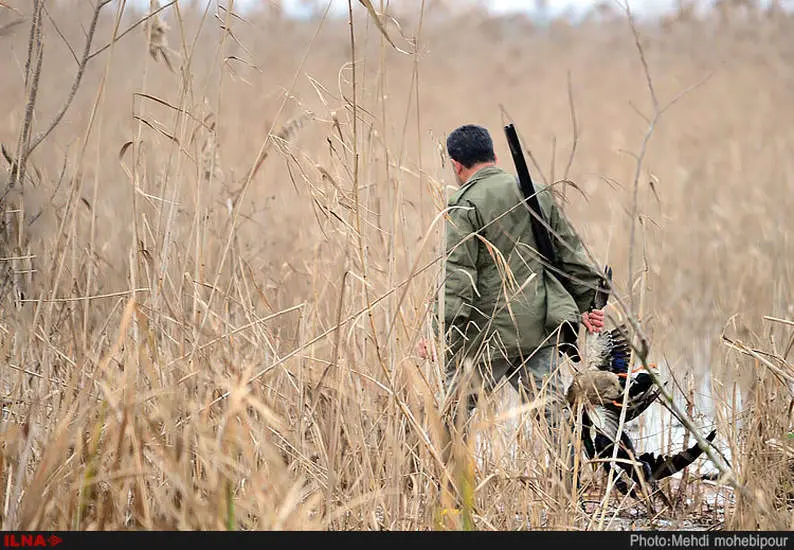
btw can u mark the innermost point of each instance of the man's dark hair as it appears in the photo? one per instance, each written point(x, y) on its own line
point(470, 145)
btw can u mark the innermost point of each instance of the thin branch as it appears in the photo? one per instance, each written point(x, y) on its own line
point(32, 74)
point(84, 298)
point(640, 113)
point(685, 92)
point(726, 472)
point(777, 320)
point(575, 127)
point(640, 157)
point(641, 52)
point(65, 41)
point(641, 351)
point(75, 85)
point(130, 28)
point(8, 27)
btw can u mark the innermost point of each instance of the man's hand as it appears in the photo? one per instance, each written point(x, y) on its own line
point(424, 349)
point(593, 320)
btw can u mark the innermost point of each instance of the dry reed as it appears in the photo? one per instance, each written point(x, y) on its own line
point(213, 304)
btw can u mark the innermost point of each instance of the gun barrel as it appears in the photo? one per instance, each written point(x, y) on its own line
point(539, 230)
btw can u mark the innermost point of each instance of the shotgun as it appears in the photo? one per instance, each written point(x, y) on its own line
point(540, 231)
point(539, 228)
point(602, 293)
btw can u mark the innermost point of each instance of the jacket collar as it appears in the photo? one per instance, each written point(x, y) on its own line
point(481, 174)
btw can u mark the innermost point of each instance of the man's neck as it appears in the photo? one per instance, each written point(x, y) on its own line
point(474, 169)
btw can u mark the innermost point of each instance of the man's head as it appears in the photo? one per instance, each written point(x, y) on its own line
point(470, 148)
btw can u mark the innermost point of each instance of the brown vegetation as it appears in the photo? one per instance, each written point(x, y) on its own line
point(217, 265)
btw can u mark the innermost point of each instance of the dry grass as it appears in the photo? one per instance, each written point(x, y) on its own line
point(218, 264)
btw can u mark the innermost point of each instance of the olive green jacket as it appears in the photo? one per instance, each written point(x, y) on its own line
point(497, 298)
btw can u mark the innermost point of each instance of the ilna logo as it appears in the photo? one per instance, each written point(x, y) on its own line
point(30, 541)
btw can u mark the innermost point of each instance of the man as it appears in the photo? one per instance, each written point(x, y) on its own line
point(503, 311)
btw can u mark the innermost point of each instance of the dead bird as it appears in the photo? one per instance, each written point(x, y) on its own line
point(595, 388)
point(599, 393)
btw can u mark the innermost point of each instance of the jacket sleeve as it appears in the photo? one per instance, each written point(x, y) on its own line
point(460, 285)
point(580, 276)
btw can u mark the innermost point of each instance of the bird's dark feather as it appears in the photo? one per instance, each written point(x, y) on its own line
point(642, 393)
point(664, 466)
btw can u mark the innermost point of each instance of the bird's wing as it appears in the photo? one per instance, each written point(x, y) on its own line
point(619, 350)
point(609, 350)
point(604, 420)
point(642, 392)
point(663, 466)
